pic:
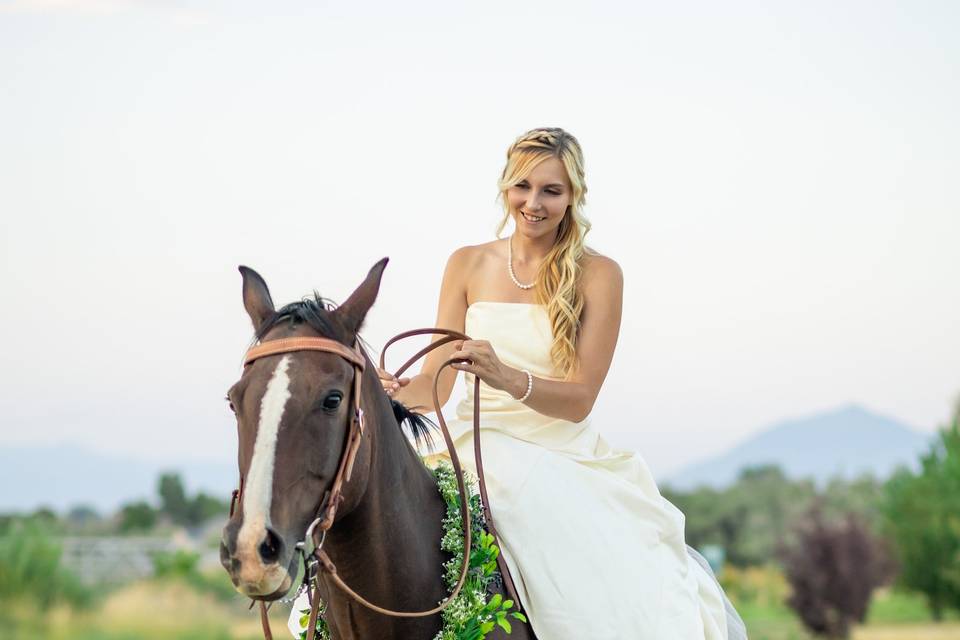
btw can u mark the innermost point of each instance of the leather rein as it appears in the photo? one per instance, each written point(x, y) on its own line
point(311, 547)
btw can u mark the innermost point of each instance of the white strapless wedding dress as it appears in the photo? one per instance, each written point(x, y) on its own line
point(595, 550)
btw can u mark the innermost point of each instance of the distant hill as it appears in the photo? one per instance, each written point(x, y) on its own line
point(846, 442)
point(64, 476)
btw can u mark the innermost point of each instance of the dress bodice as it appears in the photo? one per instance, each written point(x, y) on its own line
point(521, 337)
point(519, 332)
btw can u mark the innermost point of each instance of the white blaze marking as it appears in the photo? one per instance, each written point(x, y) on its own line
point(258, 488)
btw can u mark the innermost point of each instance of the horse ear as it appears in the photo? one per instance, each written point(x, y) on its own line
point(256, 297)
point(354, 310)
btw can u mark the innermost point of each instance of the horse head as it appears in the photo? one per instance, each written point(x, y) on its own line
point(293, 415)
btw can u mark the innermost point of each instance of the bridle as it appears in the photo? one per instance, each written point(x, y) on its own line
point(310, 548)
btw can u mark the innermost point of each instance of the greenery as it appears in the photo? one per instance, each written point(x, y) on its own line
point(183, 566)
point(471, 615)
point(30, 568)
point(137, 516)
point(922, 519)
point(759, 512)
point(916, 513)
point(323, 630)
point(182, 510)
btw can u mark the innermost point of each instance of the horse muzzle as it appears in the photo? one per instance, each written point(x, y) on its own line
point(258, 566)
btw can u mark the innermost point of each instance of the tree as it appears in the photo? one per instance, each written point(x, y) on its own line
point(747, 519)
point(204, 506)
point(183, 510)
point(173, 498)
point(137, 516)
point(863, 495)
point(833, 568)
point(922, 518)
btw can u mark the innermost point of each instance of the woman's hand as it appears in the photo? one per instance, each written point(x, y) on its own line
point(485, 364)
point(391, 383)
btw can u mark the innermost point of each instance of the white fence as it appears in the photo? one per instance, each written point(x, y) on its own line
point(113, 560)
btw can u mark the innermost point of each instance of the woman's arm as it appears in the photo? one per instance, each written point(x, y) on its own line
point(417, 394)
point(599, 329)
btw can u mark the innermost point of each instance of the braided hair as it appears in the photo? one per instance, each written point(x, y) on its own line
point(559, 274)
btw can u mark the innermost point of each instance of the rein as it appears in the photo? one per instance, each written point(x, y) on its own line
point(311, 550)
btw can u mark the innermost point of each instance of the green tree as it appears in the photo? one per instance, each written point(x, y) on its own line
point(922, 517)
point(137, 516)
point(204, 506)
point(862, 495)
point(173, 498)
point(184, 510)
point(770, 502)
point(748, 519)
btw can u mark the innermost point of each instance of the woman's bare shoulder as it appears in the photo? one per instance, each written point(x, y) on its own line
point(472, 256)
point(598, 266)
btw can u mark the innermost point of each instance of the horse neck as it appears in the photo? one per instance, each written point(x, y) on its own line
point(387, 548)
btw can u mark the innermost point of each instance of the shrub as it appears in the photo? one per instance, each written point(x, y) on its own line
point(833, 568)
point(30, 568)
point(184, 566)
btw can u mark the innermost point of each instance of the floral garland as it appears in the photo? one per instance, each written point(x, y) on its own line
point(471, 616)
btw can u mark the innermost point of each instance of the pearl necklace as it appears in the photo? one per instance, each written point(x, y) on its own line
point(513, 276)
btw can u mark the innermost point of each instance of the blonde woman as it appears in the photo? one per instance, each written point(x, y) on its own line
point(595, 550)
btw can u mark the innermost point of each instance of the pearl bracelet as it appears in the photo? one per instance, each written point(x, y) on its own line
point(529, 385)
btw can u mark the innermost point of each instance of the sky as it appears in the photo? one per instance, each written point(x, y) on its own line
point(777, 180)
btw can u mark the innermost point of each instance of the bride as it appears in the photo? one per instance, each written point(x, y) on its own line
point(595, 550)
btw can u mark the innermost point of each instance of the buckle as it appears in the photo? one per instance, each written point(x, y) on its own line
point(307, 547)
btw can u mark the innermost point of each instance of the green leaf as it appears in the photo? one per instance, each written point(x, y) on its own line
point(519, 616)
point(504, 624)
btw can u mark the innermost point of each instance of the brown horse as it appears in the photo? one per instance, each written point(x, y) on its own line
point(293, 413)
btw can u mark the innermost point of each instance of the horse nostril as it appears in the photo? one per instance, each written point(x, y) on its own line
point(270, 547)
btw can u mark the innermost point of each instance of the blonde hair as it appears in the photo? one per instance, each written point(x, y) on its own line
point(558, 277)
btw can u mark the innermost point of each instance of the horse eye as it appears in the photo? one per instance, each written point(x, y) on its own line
point(332, 401)
point(230, 404)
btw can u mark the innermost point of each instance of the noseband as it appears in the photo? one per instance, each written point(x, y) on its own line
point(310, 548)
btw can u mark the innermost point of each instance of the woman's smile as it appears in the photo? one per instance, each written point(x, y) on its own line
point(532, 219)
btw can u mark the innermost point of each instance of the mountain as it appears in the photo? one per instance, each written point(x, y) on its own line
point(64, 476)
point(846, 442)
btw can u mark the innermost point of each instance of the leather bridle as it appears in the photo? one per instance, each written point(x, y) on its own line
point(310, 548)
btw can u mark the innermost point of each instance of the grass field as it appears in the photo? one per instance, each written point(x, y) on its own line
point(150, 610)
point(892, 616)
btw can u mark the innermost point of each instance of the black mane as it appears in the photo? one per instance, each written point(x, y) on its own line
point(315, 313)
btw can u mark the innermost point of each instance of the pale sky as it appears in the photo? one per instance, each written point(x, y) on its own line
point(778, 182)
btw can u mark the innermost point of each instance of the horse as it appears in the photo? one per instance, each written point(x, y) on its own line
point(293, 413)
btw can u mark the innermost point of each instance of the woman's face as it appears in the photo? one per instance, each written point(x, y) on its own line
point(546, 194)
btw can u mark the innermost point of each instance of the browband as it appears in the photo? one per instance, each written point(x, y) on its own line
point(289, 345)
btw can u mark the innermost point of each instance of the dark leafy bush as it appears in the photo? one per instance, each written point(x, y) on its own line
point(833, 568)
